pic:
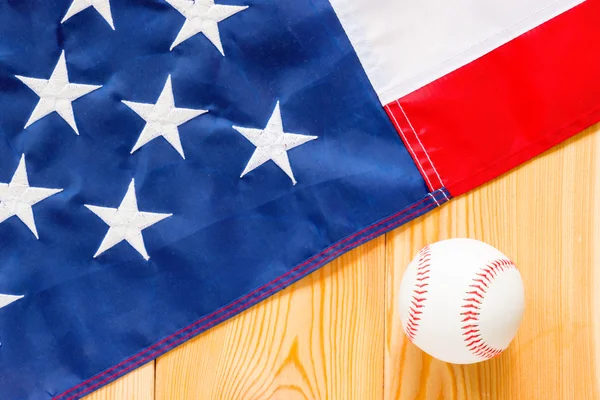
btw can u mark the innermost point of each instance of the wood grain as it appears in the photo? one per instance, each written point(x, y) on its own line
point(137, 385)
point(322, 338)
point(336, 334)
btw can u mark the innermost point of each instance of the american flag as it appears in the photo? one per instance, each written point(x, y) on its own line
point(166, 164)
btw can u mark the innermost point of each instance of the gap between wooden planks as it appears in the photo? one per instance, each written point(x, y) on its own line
point(336, 335)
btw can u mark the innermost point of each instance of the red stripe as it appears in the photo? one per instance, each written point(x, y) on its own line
point(512, 104)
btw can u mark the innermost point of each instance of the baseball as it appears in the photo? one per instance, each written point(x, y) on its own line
point(461, 301)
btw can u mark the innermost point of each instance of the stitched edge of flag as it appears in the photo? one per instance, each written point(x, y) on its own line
point(416, 149)
point(429, 202)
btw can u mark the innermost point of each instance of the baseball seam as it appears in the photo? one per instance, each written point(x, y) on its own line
point(472, 305)
point(419, 293)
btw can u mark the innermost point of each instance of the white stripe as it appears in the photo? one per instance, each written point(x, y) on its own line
point(406, 44)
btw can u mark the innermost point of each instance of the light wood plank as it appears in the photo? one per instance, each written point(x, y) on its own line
point(137, 385)
point(545, 216)
point(322, 338)
point(595, 212)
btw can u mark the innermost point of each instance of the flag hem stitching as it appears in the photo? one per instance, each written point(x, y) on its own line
point(253, 297)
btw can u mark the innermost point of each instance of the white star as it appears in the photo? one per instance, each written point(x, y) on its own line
point(6, 299)
point(126, 223)
point(17, 197)
point(272, 143)
point(102, 6)
point(162, 119)
point(202, 16)
point(56, 94)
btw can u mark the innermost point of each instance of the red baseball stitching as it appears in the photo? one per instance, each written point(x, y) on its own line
point(419, 293)
point(472, 305)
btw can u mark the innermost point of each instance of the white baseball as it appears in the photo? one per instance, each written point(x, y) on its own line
point(461, 301)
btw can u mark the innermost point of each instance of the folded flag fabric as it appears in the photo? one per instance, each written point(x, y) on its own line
point(166, 164)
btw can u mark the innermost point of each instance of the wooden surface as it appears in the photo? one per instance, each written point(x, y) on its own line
point(336, 333)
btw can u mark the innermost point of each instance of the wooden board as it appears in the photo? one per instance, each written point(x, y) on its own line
point(308, 342)
point(336, 334)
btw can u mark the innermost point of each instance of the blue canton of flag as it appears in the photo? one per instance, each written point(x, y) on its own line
point(166, 164)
